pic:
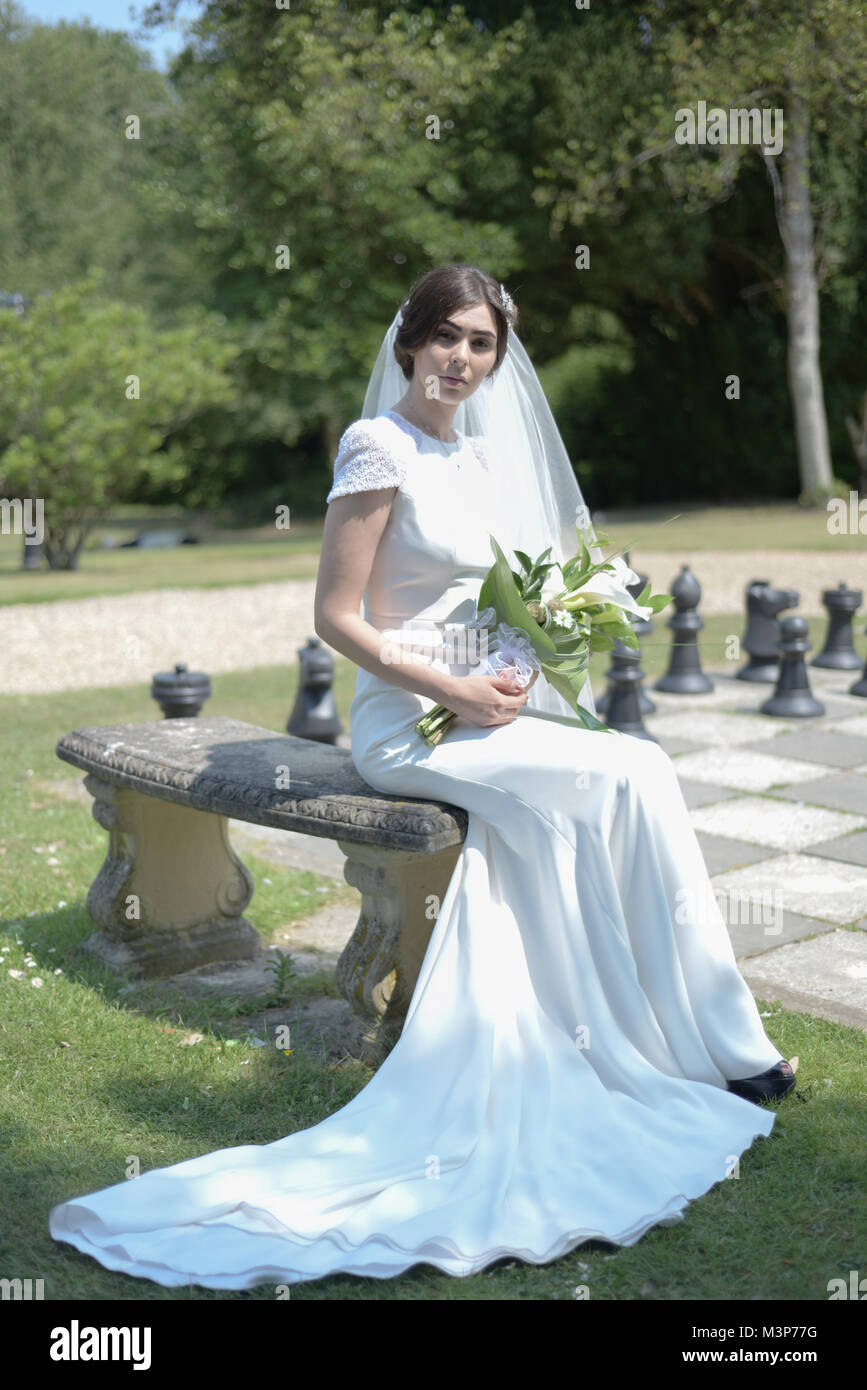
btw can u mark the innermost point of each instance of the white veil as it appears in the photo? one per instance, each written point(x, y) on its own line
point(540, 495)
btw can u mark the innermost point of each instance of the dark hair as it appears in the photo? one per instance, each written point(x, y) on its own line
point(438, 294)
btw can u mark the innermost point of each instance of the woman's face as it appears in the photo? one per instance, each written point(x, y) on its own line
point(459, 356)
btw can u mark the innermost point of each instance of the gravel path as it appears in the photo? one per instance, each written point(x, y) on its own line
point(124, 638)
point(724, 575)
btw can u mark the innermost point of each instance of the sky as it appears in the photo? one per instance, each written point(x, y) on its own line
point(115, 14)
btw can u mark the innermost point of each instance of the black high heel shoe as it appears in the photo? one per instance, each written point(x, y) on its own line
point(772, 1084)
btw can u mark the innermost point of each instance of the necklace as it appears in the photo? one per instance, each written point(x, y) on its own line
point(426, 430)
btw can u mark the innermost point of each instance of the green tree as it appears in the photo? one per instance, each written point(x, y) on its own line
point(72, 181)
point(366, 147)
point(809, 61)
point(91, 397)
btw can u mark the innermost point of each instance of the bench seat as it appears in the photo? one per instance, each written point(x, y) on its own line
point(171, 893)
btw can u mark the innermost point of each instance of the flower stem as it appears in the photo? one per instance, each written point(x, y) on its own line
point(433, 725)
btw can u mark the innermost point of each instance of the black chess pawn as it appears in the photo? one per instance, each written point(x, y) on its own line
point(645, 704)
point(860, 686)
point(622, 697)
point(792, 698)
point(839, 649)
point(640, 626)
point(764, 603)
point(684, 675)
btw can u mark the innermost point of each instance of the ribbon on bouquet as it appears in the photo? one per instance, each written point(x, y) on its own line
point(513, 655)
point(457, 644)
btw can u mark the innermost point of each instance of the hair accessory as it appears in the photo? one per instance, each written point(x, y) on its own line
point(508, 303)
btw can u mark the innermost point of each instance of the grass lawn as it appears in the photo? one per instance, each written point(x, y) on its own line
point(91, 1077)
point(254, 556)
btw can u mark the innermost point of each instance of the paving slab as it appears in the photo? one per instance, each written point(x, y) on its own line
point(851, 848)
point(844, 791)
point(670, 745)
point(697, 793)
point(768, 929)
point(808, 884)
point(855, 725)
point(835, 708)
point(746, 770)
point(764, 820)
point(718, 728)
point(721, 853)
point(838, 692)
point(725, 692)
point(816, 746)
point(828, 972)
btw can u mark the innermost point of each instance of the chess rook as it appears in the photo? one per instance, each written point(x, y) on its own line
point(839, 649)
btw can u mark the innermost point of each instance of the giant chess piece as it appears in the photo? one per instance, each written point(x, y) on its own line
point(792, 698)
point(180, 693)
point(684, 675)
point(860, 686)
point(764, 603)
point(314, 714)
point(622, 696)
point(641, 627)
point(839, 649)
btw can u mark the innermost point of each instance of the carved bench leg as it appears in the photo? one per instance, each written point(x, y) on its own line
point(400, 897)
point(171, 892)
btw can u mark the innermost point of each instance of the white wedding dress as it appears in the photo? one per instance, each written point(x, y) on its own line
point(561, 1075)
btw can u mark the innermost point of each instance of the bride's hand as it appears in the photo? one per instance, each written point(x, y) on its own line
point(487, 700)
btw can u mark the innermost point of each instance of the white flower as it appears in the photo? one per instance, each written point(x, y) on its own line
point(553, 585)
point(36, 982)
point(611, 588)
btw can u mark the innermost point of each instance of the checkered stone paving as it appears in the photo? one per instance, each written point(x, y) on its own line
point(779, 807)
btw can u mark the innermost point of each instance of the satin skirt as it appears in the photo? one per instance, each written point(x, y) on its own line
point(561, 1075)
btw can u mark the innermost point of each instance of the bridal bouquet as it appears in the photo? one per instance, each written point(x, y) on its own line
point(551, 622)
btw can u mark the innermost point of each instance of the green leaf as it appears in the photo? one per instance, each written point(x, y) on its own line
point(658, 601)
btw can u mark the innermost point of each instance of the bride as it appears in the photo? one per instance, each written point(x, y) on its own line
point(580, 1051)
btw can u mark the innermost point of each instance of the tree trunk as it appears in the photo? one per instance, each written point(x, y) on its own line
point(802, 306)
point(858, 435)
point(31, 556)
point(330, 437)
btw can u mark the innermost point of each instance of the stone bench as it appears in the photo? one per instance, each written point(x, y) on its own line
point(172, 891)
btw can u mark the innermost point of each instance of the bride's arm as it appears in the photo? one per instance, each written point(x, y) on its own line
point(353, 526)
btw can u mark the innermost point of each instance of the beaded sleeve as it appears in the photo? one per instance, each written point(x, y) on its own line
point(365, 461)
